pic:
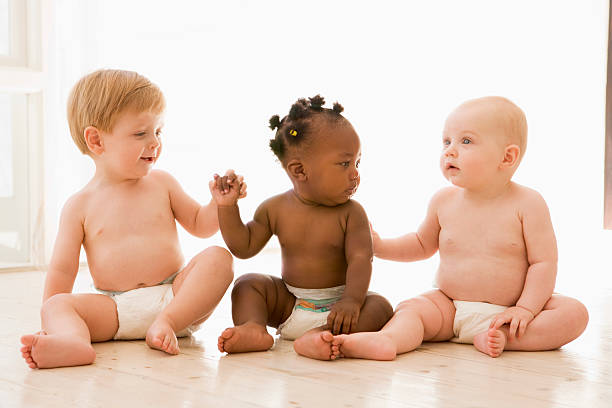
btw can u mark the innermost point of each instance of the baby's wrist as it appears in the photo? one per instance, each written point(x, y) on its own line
point(234, 205)
point(527, 309)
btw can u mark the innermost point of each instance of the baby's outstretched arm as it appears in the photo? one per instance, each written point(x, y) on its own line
point(344, 314)
point(198, 220)
point(244, 241)
point(413, 246)
point(539, 284)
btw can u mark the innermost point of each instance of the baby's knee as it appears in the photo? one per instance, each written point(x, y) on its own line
point(218, 254)
point(248, 281)
point(578, 314)
point(56, 301)
point(221, 258)
point(382, 305)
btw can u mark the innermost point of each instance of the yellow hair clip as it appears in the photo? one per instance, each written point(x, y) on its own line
point(293, 132)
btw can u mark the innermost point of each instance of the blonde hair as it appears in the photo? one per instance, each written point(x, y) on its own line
point(98, 98)
point(512, 119)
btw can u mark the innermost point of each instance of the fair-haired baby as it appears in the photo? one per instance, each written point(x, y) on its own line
point(125, 219)
point(498, 253)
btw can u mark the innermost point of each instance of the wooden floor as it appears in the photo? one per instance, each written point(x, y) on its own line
point(129, 374)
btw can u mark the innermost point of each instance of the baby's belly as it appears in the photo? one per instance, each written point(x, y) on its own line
point(130, 264)
point(482, 283)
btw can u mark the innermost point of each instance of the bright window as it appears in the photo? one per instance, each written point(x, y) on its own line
point(4, 27)
point(6, 148)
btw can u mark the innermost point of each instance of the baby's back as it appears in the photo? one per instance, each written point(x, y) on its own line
point(130, 234)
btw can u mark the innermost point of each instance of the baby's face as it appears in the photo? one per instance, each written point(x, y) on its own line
point(134, 144)
point(332, 165)
point(473, 146)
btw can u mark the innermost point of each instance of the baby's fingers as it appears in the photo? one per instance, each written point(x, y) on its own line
point(338, 323)
point(512, 331)
point(498, 321)
point(330, 320)
point(243, 188)
point(346, 325)
point(522, 328)
point(354, 321)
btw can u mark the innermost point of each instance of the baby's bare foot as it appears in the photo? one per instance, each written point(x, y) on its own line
point(370, 345)
point(491, 342)
point(161, 336)
point(40, 350)
point(317, 345)
point(249, 336)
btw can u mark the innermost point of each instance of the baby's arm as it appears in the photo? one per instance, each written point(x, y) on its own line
point(415, 245)
point(201, 221)
point(244, 241)
point(344, 314)
point(64, 263)
point(539, 284)
point(541, 247)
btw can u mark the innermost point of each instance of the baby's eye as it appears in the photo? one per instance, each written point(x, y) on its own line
point(141, 134)
point(358, 163)
point(466, 141)
point(158, 133)
point(345, 164)
point(445, 142)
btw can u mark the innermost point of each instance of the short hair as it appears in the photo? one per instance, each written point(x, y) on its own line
point(295, 129)
point(512, 117)
point(98, 98)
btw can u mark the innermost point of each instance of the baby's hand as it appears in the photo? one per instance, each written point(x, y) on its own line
point(343, 316)
point(227, 189)
point(518, 318)
point(375, 239)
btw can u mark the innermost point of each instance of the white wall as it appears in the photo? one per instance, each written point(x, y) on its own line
point(397, 67)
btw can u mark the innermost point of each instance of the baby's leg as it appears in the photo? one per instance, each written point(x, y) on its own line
point(317, 343)
point(428, 317)
point(198, 289)
point(257, 300)
point(70, 323)
point(562, 320)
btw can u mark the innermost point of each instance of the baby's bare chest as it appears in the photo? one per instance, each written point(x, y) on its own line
point(488, 230)
point(321, 230)
point(116, 215)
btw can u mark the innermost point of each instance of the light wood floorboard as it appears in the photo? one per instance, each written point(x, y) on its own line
point(129, 374)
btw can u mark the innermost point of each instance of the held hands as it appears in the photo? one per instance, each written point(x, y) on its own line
point(228, 189)
point(518, 318)
point(343, 316)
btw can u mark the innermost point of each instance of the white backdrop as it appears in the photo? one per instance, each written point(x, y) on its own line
point(397, 67)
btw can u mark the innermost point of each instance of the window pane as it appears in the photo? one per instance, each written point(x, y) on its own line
point(4, 27)
point(6, 147)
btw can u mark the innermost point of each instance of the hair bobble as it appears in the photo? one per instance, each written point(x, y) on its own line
point(337, 108)
point(317, 102)
point(275, 122)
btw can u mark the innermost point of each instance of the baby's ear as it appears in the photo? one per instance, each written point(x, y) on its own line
point(295, 168)
point(94, 140)
point(511, 155)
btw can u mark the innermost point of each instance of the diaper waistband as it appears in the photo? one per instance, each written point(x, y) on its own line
point(316, 294)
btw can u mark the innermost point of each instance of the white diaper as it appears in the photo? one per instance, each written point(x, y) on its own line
point(138, 308)
point(472, 318)
point(312, 306)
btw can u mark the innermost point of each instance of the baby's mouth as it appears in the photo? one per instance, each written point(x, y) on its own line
point(451, 167)
point(150, 159)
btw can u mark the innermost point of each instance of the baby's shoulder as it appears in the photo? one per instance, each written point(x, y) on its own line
point(445, 195)
point(162, 177)
point(523, 195)
point(76, 205)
